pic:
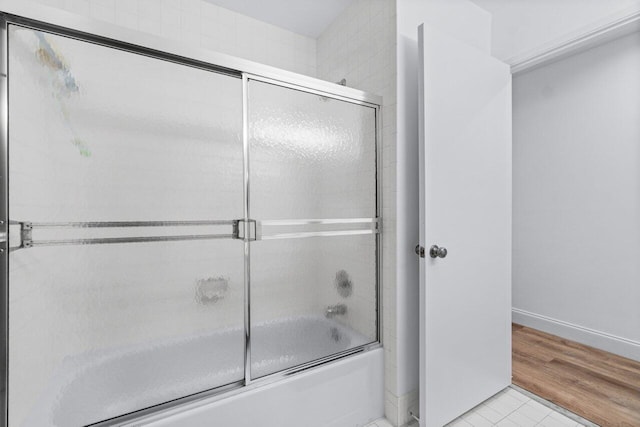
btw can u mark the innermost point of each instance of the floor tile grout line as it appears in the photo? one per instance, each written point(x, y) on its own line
point(529, 418)
point(521, 404)
point(495, 396)
point(549, 416)
point(522, 398)
point(574, 417)
point(510, 413)
point(480, 415)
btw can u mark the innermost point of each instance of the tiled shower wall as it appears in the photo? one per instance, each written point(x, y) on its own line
point(200, 24)
point(360, 46)
point(205, 25)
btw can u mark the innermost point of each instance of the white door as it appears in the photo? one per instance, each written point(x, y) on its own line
point(465, 167)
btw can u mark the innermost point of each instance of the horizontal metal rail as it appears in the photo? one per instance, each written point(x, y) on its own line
point(27, 229)
point(236, 231)
point(107, 240)
point(305, 234)
point(330, 221)
point(373, 229)
point(126, 224)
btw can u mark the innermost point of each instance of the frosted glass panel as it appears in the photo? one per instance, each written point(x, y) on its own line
point(98, 134)
point(293, 283)
point(310, 158)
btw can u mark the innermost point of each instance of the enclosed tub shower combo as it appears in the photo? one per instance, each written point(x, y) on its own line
point(177, 230)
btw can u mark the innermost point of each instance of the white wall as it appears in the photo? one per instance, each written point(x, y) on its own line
point(520, 26)
point(202, 24)
point(576, 204)
point(360, 46)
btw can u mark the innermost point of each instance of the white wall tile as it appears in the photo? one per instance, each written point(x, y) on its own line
point(127, 19)
point(150, 26)
point(103, 13)
point(391, 411)
point(124, 6)
point(199, 23)
point(148, 9)
point(82, 6)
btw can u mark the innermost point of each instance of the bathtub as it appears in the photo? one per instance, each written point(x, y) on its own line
point(99, 385)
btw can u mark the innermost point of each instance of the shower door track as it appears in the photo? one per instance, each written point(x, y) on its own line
point(84, 29)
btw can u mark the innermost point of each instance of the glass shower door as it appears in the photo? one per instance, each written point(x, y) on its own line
point(313, 269)
point(126, 289)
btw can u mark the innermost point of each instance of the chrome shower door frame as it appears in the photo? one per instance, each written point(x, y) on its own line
point(4, 224)
point(375, 229)
point(61, 23)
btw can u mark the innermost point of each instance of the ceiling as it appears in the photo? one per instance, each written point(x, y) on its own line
point(520, 26)
point(306, 17)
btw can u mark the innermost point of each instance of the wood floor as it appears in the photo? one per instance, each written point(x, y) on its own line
point(599, 386)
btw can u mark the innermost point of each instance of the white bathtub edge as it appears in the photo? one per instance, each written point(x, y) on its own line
point(346, 392)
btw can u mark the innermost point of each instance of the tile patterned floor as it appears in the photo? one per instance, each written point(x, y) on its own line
point(509, 408)
point(380, 423)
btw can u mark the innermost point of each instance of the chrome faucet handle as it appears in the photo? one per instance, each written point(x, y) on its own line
point(334, 310)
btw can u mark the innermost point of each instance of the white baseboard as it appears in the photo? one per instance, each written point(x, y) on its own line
point(602, 340)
